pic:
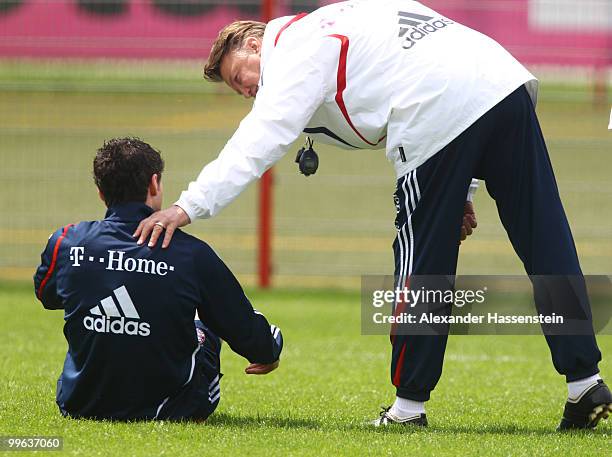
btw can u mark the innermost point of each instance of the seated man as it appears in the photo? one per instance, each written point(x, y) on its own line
point(133, 349)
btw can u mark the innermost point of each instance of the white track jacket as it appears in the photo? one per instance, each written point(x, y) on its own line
point(362, 74)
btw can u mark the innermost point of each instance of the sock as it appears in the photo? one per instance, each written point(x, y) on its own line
point(405, 408)
point(576, 388)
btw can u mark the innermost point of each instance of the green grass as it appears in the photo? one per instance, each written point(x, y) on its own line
point(497, 396)
point(328, 229)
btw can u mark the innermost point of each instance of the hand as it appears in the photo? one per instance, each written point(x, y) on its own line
point(469, 221)
point(168, 219)
point(261, 368)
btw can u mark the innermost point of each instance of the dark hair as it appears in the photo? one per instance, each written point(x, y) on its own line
point(123, 168)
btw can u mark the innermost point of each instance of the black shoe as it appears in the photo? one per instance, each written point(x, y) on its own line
point(586, 411)
point(386, 418)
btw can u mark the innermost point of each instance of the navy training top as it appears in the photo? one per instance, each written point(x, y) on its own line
point(129, 313)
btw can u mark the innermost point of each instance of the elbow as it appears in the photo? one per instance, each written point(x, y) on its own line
point(51, 303)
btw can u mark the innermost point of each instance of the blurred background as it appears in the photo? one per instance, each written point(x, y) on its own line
point(76, 72)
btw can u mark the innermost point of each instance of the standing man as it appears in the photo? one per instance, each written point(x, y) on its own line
point(133, 349)
point(447, 104)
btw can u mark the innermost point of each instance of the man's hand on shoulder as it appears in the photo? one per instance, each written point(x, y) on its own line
point(167, 220)
point(261, 368)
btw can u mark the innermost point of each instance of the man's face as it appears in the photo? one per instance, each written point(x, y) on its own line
point(240, 69)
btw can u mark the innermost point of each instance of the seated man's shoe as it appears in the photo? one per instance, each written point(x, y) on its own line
point(586, 411)
point(386, 418)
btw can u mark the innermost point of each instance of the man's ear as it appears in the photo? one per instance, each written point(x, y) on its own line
point(101, 195)
point(154, 185)
point(252, 43)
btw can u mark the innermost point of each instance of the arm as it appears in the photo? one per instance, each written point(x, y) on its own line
point(45, 283)
point(295, 85)
point(293, 90)
point(226, 310)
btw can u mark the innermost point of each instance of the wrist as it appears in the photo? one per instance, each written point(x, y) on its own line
point(183, 216)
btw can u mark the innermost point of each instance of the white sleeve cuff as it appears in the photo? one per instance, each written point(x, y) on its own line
point(472, 190)
point(189, 210)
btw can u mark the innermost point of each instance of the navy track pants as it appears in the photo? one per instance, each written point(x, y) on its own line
point(199, 398)
point(506, 149)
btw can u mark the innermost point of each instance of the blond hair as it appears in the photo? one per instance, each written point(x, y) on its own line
point(231, 38)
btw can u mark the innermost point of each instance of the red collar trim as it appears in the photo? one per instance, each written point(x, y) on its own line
point(284, 27)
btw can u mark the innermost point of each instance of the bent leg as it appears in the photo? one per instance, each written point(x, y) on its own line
point(210, 363)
